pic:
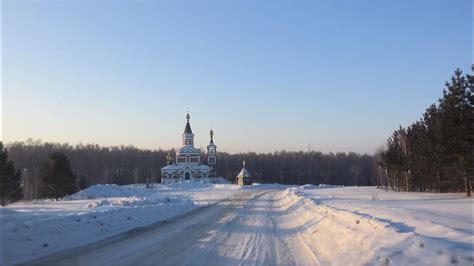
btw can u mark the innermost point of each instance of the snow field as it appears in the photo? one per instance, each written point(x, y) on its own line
point(276, 224)
point(345, 236)
point(33, 229)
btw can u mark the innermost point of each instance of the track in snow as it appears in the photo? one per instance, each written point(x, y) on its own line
point(252, 228)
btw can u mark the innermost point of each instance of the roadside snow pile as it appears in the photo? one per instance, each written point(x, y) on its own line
point(326, 186)
point(311, 186)
point(141, 191)
point(103, 191)
point(33, 229)
point(396, 229)
point(221, 180)
point(189, 185)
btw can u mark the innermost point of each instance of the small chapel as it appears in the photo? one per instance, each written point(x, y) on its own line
point(188, 164)
point(244, 177)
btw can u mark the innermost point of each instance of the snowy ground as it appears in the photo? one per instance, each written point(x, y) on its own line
point(395, 228)
point(263, 224)
point(32, 229)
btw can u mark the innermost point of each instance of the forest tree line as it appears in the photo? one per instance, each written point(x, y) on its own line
point(435, 153)
point(92, 164)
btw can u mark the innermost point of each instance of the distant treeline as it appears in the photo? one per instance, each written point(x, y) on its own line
point(300, 168)
point(435, 153)
point(93, 164)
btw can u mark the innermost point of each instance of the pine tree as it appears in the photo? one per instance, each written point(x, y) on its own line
point(10, 179)
point(57, 176)
point(404, 145)
point(393, 158)
point(419, 156)
point(434, 148)
point(454, 110)
point(470, 130)
point(438, 150)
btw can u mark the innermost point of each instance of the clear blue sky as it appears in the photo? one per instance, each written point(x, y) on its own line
point(267, 75)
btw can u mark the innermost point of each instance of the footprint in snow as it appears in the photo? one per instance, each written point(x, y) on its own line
point(454, 260)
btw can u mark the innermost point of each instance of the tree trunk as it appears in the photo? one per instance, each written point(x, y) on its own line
point(388, 179)
point(467, 184)
point(407, 180)
point(438, 178)
point(36, 186)
point(380, 176)
point(397, 181)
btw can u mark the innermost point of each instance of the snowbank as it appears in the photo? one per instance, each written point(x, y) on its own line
point(109, 190)
point(311, 186)
point(140, 190)
point(33, 229)
point(342, 226)
point(355, 226)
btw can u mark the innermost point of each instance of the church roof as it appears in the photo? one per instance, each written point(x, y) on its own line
point(187, 129)
point(244, 172)
point(211, 145)
point(188, 149)
point(180, 166)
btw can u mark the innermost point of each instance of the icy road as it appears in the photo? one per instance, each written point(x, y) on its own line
point(251, 228)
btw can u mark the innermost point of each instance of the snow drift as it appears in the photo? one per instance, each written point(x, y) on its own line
point(32, 229)
point(348, 237)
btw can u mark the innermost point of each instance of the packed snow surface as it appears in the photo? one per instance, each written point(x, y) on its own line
point(32, 229)
point(260, 224)
point(370, 225)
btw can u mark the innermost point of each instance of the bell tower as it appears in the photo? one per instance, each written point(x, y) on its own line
point(212, 154)
point(188, 136)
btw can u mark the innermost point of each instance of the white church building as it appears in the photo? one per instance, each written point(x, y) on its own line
point(188, 164)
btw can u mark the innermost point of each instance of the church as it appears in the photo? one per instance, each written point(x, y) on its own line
point(187, 164)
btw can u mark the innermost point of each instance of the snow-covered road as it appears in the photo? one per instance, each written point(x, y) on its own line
point(254, 227)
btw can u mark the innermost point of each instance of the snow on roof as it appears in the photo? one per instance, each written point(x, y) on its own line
point(180, 166)
point(200, 166)
point(244, 172)
point(188, 149)
point(173, 167)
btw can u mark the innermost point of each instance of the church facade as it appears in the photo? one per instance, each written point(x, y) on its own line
point(188, 166)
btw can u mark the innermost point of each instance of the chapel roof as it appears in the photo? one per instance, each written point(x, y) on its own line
point(244, 172)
